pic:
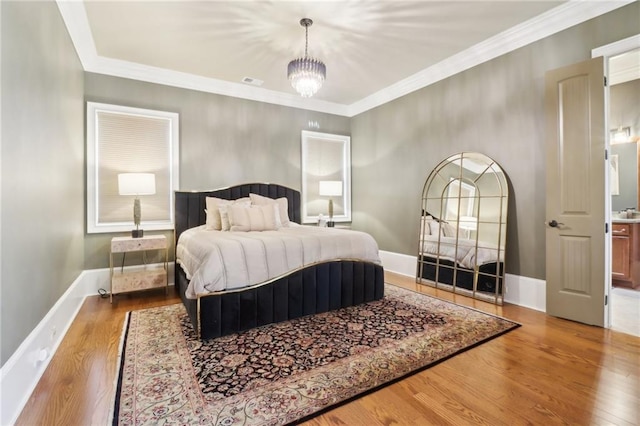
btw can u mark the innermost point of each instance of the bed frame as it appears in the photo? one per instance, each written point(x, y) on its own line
point(485, 277)
point(317, 288)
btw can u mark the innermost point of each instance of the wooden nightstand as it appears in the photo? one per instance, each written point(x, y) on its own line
point(148, 278)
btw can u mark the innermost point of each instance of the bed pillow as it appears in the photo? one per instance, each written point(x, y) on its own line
point(448, 229)
point(214, 220)
point(282, 218)
point(424, 225)
point(253, 218)
point(435, 228)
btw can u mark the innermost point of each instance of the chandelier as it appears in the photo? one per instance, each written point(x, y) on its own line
point(306, 74)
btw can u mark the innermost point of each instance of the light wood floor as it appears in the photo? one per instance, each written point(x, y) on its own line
point(625, 304)
point(549, 371)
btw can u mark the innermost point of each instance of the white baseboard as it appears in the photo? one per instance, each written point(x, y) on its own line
point(397, 263)
point(522, 291)
point(21, 373)
point(526, 292)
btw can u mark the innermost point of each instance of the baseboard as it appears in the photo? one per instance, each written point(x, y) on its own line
point(397, 263)
point(21, 373)
point(526, 292)
point(522, 291)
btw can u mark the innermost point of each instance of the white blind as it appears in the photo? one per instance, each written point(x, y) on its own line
point(132, 142)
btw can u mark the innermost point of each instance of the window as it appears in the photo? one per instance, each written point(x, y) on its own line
point(130, 140)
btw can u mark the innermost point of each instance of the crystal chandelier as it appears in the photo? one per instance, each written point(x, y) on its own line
point(306, 74)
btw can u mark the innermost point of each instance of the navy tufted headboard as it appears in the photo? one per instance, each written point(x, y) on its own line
point(189, 206)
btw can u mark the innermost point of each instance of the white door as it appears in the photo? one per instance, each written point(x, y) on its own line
point(575, 212)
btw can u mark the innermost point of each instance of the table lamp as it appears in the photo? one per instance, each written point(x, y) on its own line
point(330, 188)
point(136, 184)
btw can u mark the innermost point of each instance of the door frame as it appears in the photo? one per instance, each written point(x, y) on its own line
point(607, 51)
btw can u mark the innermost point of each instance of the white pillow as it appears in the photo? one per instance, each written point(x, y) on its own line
point(282, 203)
point(448, 229)
point(424, 225)
point(253, 218)
point(434, 227)
point(214, 220)
point(224, 217)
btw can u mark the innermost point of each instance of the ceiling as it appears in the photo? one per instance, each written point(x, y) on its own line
point(375, 51)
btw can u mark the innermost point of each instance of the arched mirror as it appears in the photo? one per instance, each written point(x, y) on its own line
point(463, 227)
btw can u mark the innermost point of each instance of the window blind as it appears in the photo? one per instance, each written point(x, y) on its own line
point(129, 140)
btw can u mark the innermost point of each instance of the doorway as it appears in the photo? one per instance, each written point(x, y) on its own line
point(623, 70)
point(624, 124)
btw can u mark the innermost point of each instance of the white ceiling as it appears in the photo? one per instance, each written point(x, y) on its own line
point(375, 51)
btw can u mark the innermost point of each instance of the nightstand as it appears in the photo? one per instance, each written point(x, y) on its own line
point(124, 282)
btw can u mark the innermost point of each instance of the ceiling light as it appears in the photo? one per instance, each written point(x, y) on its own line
point(306, 74)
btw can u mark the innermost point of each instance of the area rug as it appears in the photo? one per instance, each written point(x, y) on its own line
point(285, 372)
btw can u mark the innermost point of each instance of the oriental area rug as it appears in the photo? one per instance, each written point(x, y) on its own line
point(285, 372)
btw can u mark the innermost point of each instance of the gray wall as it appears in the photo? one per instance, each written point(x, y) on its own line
point(223, 140)
point(42, 167)
point(625, 111)
point(496, 108)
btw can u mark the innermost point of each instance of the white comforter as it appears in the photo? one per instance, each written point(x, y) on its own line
point(466, 254)
point(217, 260)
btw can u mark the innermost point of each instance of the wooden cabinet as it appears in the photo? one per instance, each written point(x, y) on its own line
point(625, 258)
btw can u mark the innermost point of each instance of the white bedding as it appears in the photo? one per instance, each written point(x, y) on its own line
point(218, 260)
point(466, 254)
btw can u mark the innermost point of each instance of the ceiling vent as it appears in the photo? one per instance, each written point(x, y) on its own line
point(252, 81)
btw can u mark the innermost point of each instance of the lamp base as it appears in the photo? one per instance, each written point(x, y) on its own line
point(331, 224)
point(137, 233)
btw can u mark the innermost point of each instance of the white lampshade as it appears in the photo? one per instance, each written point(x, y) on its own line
point(330, 188)
point(136, 183)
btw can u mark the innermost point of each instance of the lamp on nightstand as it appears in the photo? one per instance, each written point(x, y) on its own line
point(330, 188)
point(136, 184)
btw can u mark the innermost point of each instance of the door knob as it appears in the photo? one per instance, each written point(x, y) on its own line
point(554, 223)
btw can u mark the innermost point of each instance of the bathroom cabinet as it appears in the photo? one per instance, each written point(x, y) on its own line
point(625, 258)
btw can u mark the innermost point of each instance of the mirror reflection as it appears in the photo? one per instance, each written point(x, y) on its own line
point(463, 227)
point(326, 177)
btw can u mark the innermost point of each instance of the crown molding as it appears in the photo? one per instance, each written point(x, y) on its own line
point(564, 16)
point(150, 74)
point(555, 20)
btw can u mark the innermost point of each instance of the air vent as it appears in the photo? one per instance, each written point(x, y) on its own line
point(252, 81)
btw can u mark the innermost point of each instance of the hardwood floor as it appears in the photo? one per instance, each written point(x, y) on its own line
point(549, 371)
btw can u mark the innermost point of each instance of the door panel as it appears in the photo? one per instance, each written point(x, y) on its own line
point(575, 192)
point(620, 265)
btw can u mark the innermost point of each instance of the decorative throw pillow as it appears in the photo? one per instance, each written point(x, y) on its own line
point(224, 217)
point(253, 218)
point(282, 203)
point(214, 220)
point(448, 229)
point(435, 228)
point(424, 225)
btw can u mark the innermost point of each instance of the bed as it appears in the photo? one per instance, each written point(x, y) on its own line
point(331, 282)
point(447, 258)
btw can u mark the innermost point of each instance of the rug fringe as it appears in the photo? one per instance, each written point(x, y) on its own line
point(116, 381)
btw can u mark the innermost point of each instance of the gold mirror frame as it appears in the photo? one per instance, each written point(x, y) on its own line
point(463, 227)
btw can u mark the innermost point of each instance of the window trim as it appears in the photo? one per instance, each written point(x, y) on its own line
point(344, 165)
point(93, 226)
